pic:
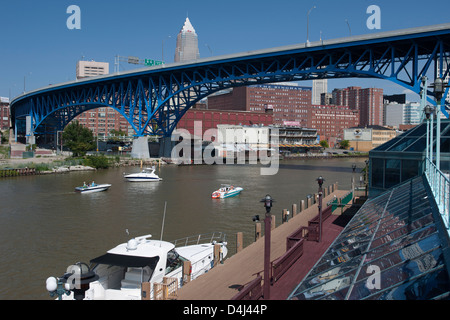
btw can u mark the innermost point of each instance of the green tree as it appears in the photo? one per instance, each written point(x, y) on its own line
point(344, 144)
point(324, 144)
point(78, 139)
point(117, 132)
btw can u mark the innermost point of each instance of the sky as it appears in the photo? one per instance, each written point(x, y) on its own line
point(38, 49)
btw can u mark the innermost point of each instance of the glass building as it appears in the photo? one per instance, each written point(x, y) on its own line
point(403, 157)
point(187, 44)
point(394, 248)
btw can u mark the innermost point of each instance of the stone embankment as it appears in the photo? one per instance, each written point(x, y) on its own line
point(12, 172)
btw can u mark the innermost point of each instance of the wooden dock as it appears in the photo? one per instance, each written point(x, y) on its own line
point(224, 281)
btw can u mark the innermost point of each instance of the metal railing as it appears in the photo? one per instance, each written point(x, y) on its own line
point(201, 238)
point(440, 186)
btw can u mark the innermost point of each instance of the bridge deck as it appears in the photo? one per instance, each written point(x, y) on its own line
point(223, 281)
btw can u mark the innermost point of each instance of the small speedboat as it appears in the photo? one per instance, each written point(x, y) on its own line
point(123, 272)
point(147, 175)
point(93, 187)
point(226, 191)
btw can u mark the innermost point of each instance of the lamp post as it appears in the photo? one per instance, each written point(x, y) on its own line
point(307, 25)
point(427, 110)
point(353, 179)
point(439, 90)
point(56, 287)
point(267, 229)
point(349, 29)
point(320, 181)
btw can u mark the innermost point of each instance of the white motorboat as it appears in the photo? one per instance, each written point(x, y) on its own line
point(121, 273)
point(226, 191)
point(147, 175)
point(93, 187)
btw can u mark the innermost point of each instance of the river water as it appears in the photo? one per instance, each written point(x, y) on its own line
point(45, 226)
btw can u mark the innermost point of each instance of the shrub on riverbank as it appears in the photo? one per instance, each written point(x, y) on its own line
point(97, 162)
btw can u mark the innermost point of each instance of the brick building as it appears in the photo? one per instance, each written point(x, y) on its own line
point(211, 118)
point(102, 120)
point(330, 121)
point(288, 102)
point(368, 101)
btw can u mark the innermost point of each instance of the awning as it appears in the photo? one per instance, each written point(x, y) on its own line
point(126, 261)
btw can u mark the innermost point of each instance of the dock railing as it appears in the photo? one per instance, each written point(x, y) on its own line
point(440, 187)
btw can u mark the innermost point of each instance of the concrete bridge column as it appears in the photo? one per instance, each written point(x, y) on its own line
point(29, 133)
point(140, 149)
point(165, 147)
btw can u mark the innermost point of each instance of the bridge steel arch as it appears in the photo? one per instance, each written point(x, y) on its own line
point(154, 99)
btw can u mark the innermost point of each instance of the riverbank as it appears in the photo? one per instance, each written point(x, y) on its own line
point(62, 164)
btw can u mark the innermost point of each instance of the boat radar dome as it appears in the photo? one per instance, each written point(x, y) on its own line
point(132, 244)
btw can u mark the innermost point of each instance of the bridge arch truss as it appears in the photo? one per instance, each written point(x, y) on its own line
point(153, 100)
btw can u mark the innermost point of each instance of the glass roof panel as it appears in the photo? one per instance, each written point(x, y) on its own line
point(403, 144)
point(394, 233)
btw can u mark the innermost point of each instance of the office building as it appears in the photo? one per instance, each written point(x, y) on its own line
point(319, 87)
point(368, 101)
point(399, 98)
point(394, 114)
point(187, 43)
point(364, 139)
point(397, 114)
point(4, 113)
point(87, 69)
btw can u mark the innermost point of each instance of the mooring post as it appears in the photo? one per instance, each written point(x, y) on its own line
point(187, 268)
point(302, 205)
point(294, 210)
point(257, 231)
point(216, 254)
point(284, 216)
point(239, 241)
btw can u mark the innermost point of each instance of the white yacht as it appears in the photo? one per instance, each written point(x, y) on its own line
point(147, 175)
point(121, 273)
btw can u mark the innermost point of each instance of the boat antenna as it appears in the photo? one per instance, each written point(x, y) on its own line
point(164, 218)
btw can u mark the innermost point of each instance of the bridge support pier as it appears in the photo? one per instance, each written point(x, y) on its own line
point(165, 147)
point(140, 149)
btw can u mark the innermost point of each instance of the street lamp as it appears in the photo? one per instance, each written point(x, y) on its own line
point(307, 26)
point(439, 90)
point(353, 179)
point(428, 111)
point(267, 200)
point(56, 287)
point(320, 181)
point(349, 29)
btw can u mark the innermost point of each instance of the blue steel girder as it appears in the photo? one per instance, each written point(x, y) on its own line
point(153, 100)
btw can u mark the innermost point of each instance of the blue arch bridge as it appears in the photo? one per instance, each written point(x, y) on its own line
point(154, 99)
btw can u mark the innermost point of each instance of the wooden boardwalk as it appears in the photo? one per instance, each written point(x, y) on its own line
point(223, 281)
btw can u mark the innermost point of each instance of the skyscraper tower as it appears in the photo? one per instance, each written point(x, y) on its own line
point(187, 44)
point(319, 86)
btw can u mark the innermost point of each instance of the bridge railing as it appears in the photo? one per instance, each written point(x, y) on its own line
point(440, 186)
